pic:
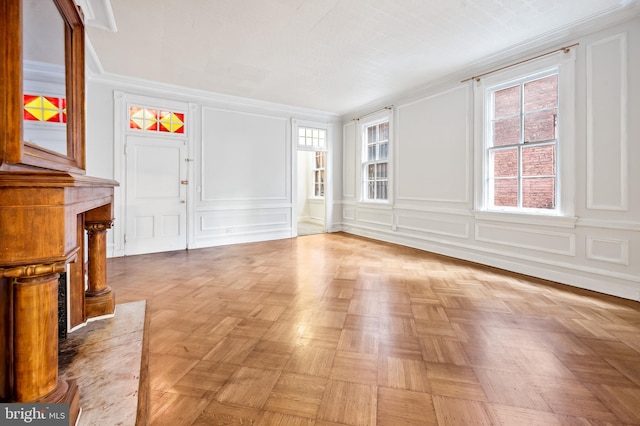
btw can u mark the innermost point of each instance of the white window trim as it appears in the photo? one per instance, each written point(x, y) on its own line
point(565, 173)
point(385, 116)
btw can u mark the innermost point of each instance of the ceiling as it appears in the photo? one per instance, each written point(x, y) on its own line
point(327, 55)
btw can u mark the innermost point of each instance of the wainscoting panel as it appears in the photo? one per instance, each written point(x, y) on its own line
point(607, 96)
point(221, 227)
point(608, 250)
point(451, 227)
point(525, 238)
point(375, 217)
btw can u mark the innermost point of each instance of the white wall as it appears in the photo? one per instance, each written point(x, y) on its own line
point(435, 147)
point(240, 179)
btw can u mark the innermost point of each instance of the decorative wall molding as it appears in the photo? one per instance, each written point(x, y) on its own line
point(432, 225)
point(349, 142)
point(603, 57)
point(516, 237)
point(434, 115)
point(526, 219)
point(609, 224)
point(226, 222)
point(228, 102)
point(349, 213)
point(436, 210)
point(608, 250)
point(373, 217)
point(284, 139)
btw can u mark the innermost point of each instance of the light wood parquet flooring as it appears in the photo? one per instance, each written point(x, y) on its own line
point(334, 329)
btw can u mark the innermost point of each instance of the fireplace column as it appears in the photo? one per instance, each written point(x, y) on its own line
point(99, 298)
point(33, 358)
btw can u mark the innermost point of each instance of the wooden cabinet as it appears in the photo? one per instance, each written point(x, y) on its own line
point(47, 204)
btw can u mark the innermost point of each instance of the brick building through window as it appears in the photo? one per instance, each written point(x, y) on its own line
point(522, 149)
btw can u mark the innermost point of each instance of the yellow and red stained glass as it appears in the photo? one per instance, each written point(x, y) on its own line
point(48, 109)
point(156, 120)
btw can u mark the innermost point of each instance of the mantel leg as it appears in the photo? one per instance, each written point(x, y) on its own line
point(35, 338)
point(99, 298)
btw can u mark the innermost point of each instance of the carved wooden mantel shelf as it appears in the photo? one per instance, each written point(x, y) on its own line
point(43, 218)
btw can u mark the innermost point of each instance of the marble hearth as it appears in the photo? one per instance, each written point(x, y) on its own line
point(108, 359)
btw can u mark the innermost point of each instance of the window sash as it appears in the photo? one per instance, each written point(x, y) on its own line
point(520, 143)
point(375, 167)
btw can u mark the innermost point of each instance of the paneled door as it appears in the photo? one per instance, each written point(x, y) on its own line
point(156, 191)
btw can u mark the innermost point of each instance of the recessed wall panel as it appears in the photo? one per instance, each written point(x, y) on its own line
point(531, 239)
point(433, 148)
point(244, 156)
point(607, 164)
point(349, 161)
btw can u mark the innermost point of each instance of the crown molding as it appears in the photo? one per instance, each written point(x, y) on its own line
point(175, 91)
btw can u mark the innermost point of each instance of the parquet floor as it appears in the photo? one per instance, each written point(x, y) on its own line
point(334, 329)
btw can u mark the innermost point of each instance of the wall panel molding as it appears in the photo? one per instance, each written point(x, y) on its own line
point(608, 250)
point(607, 138)
point(531, 239)
point(438, 123)
point(349, 159)
point(433, 225)
point(232, 221)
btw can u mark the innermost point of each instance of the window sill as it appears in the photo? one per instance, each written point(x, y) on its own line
point(526, 218)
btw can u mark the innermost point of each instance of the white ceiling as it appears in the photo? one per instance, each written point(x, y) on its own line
point(328, 55)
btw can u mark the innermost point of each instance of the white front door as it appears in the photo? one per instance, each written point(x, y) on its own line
point(156, 195)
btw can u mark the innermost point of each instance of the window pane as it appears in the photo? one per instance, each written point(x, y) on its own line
point(506, 131)
point(372, 134)
point(538, 193)
point(384, 132)
point(506, 102)
point(540, 126)
point(371, 152)
point(505, 192)
point(381, 171)
point(505, 163)
point(372, 190)
point(384, 151)
point(539, 160)
point(382, 190)
point(372, 171)
point(541, 93)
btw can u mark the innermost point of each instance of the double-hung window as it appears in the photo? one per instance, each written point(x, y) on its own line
point(522, 144)
point(375, 170)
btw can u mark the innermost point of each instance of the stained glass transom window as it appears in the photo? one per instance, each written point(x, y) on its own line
point(48, 109)
point(156, 120)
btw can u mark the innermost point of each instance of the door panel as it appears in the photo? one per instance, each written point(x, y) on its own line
point(156, 208)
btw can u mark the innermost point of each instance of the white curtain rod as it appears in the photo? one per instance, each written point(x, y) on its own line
point(564, 49)
point(373, 112)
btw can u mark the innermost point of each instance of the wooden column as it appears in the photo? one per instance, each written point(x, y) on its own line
point(33, 357)
point(99, 298)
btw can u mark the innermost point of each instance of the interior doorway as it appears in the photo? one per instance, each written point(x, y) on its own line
point(311, 180)
point(156, 193)
point(311, 192)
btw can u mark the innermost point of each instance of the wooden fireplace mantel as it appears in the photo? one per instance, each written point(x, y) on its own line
point(43, 218)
